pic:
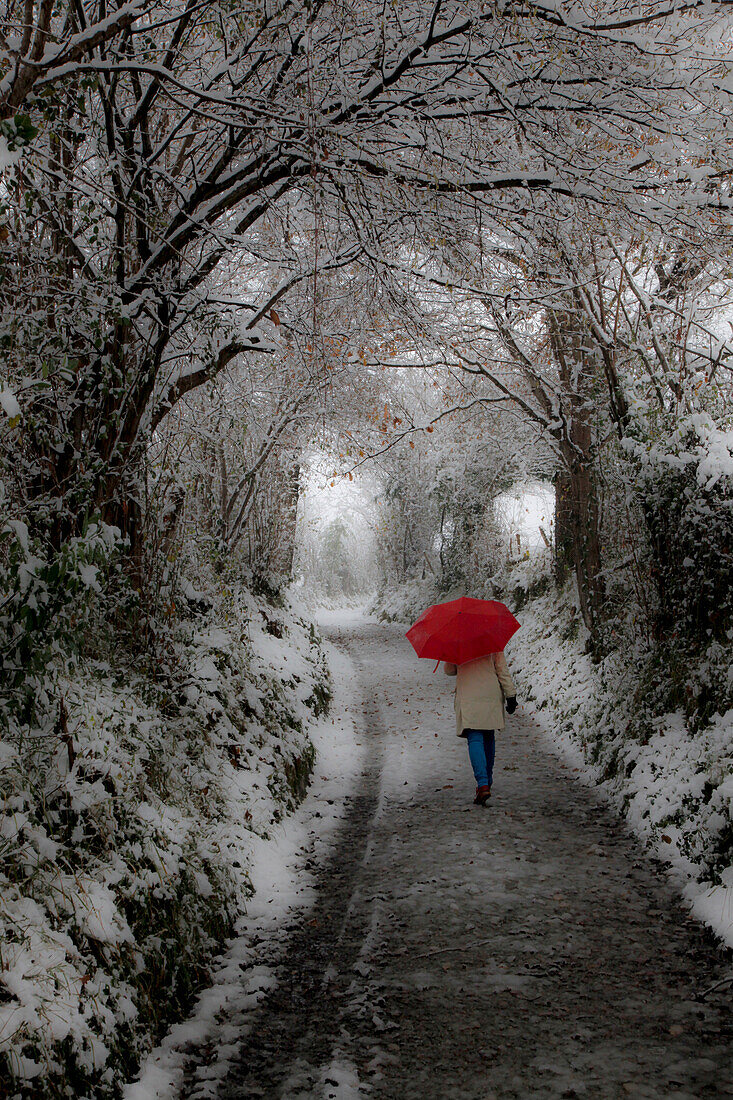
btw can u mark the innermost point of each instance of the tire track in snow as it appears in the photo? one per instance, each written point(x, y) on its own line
point(291, 1047)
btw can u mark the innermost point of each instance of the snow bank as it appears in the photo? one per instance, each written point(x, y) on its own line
point(281, 876)
point(673, 782)
point(131, 825)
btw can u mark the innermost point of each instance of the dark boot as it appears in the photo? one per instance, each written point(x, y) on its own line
point(483, 794)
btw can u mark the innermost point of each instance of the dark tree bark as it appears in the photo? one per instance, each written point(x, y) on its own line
point(287, 518)
point(578, 535)
point(563, 527)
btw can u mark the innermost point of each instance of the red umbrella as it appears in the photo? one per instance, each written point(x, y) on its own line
point(462, 630)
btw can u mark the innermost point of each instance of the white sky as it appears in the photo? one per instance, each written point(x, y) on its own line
point(526, 508)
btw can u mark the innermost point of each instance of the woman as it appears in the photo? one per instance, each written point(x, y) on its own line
point(481, 688)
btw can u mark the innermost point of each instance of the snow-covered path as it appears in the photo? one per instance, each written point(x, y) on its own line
point(525, 950)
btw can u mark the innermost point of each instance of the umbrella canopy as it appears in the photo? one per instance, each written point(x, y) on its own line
point(462, 630)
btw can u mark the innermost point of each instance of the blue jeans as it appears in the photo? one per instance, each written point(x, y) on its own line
point(482, 750)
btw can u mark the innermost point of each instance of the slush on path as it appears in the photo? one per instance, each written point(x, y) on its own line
point(526, 950)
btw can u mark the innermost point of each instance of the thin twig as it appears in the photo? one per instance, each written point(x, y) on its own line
point(714, 988)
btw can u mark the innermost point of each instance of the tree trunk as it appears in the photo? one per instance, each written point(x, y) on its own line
point(287, 518)
point(585, 543)
point(127, 514)
point(577, 518)
point(563, 527)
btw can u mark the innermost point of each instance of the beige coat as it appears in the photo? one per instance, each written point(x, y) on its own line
point(481, 687)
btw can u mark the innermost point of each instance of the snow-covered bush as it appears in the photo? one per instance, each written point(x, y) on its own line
point(47, 599)
point(126, 809)
point(403, 603)
point(686, 494)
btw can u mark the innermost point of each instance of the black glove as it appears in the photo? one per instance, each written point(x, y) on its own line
point(511, 704)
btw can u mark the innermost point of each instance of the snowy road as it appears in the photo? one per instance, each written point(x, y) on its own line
point(525, 950)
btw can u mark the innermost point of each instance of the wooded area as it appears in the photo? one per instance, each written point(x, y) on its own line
point(222, 222)
point(456, 245)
